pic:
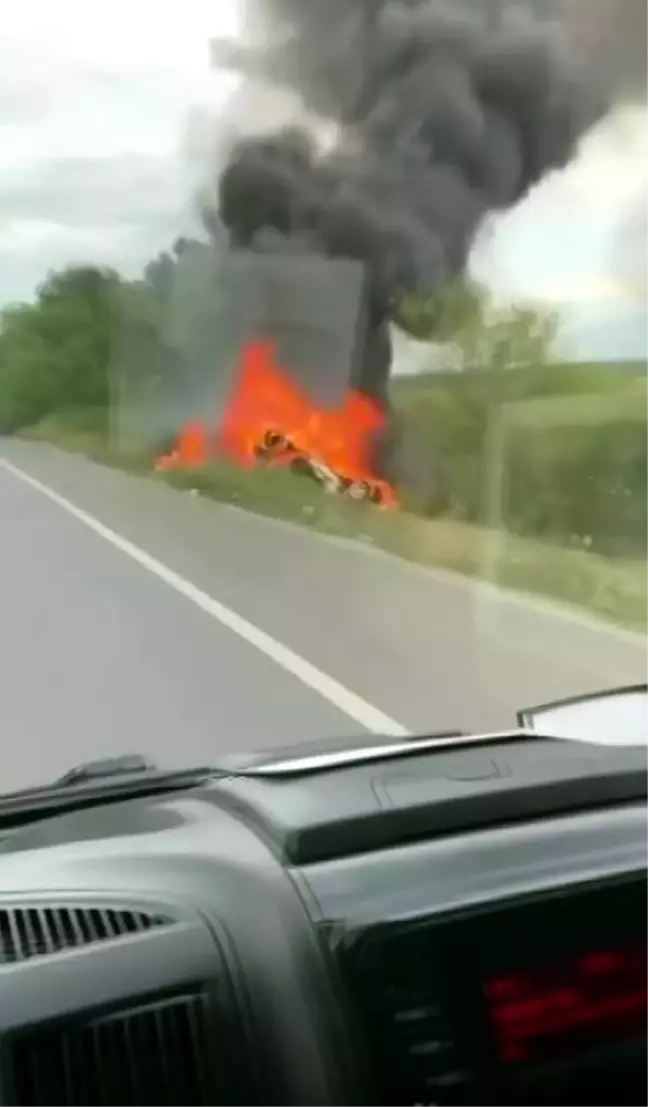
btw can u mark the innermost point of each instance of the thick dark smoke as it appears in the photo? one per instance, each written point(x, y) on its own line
point(441, 118)
point(609, 37)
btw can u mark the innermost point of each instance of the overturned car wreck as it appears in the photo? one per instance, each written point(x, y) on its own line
point(292, 394)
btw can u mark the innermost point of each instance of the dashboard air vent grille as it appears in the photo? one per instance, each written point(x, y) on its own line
point(159, 1053)
point(41, 931)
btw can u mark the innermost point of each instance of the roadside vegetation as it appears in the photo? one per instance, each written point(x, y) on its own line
point(515, 469)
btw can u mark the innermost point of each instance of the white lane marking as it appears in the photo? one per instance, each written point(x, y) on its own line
point(358, 709)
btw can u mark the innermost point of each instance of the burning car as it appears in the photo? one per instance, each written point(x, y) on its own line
point(278, 451)
point(269, 421)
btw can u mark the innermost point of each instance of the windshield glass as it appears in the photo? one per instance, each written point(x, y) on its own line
point(322, 370)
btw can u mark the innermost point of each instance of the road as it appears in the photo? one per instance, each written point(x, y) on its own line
point(135, 617)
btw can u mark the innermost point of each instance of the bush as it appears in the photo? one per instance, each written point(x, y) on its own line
point(559, 453)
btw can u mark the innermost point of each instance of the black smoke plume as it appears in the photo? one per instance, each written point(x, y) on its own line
point(440, 118)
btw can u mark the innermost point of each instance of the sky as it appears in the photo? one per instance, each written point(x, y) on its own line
point(95, 113)
point(578, 243)
point(106, 115)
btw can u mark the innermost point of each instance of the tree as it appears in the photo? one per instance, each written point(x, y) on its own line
point(159, 276)
point(87, 283)
point(56, 354)
point(440, 451)
point(456, 308)
point(92, 340)
point(461, 316)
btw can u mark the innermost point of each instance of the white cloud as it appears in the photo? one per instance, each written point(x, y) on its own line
point(578, 241)
point(95, 107)
point(564, 231)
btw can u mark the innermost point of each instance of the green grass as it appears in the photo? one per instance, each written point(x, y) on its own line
point(85, 432)
point(574, 376)
point(611, 588)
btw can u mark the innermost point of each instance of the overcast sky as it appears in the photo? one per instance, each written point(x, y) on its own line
point(94, 112)
point(100, 112)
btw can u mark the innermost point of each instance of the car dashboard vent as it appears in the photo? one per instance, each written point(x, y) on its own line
point(27, 932)
point(157, 1053)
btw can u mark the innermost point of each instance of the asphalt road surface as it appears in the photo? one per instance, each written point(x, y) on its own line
point(137, 618)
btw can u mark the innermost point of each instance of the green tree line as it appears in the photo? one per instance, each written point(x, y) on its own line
point(508, 436)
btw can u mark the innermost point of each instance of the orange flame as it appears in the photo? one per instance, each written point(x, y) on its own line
point(270, 421)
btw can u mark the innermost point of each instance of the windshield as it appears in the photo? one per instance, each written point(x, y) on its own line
point(322, 371)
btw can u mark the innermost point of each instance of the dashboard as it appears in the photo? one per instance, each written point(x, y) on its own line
point(451, 921)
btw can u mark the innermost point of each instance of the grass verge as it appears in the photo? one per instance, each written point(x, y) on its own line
point(613, 589)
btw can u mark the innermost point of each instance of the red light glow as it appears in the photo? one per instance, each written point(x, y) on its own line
point(560, 1009)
